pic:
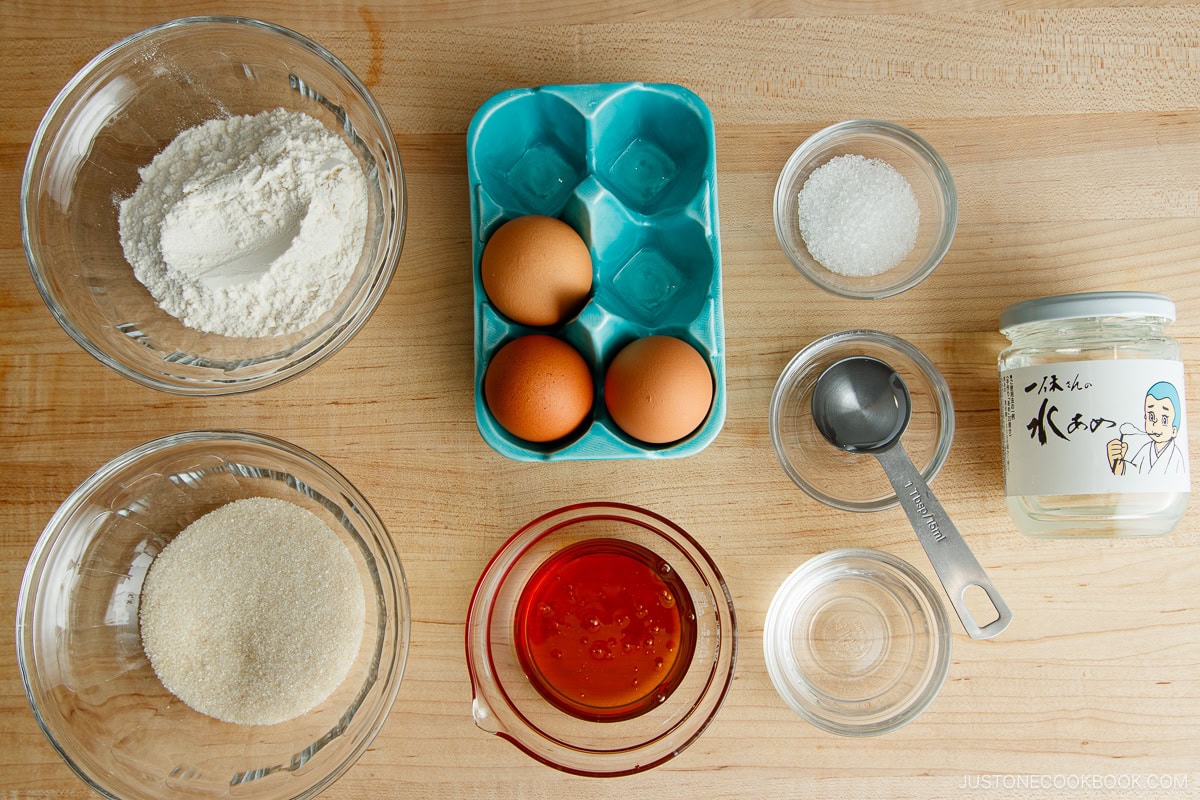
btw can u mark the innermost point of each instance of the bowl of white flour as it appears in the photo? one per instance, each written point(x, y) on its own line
point(213, 205)
point(213, 614)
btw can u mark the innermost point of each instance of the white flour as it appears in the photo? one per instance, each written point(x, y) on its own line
point(248, 226)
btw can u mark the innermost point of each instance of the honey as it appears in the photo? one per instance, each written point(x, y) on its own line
point(605, 630)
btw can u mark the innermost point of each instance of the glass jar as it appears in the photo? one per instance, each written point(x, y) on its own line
point(1092, 416)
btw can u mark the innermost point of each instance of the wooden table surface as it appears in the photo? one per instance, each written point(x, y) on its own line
point(1072, 135)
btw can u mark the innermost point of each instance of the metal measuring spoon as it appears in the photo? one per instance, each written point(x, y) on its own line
point(861, 405)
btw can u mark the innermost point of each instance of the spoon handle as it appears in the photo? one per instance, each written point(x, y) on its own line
point(952, 559)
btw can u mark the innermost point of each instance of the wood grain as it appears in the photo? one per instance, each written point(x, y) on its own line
point(1071, 133)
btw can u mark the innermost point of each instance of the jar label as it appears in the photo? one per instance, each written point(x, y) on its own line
point(1094, 427)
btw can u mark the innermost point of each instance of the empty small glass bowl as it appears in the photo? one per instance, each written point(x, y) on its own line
point(114, 117)
point(856, 642)
point(855, 481)
point(79, 645)
point(509, 704)
point(908, 154)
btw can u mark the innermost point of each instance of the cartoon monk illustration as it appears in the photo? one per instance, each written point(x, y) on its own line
point(1160, 455)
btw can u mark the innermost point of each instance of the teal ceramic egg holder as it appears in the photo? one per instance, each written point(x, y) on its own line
point(632, 168)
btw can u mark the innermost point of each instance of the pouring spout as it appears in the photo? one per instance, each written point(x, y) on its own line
point(485, 720)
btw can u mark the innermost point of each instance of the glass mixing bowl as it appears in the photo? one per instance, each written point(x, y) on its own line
point(509, 704)
point(908, 154)
point(855, 481)
point(856, 642)
point(79, 647)
point(121, 110)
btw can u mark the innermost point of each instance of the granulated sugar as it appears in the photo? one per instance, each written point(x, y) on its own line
point(858, 216)
point(254, 613)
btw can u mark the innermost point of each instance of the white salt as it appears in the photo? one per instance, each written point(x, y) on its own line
point(254, 613)
point(858, 216)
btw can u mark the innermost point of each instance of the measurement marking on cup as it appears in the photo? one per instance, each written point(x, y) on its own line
point(919, 503)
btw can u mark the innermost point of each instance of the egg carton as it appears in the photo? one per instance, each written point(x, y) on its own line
point(632, 168)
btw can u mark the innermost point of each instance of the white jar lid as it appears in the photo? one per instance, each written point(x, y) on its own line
point(1088, 304)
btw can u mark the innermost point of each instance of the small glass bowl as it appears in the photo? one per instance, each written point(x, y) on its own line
point(856, 642)
point(121, 110)
point(507, 703)
point(855, 481)
point(79, 648)
point(913, 158)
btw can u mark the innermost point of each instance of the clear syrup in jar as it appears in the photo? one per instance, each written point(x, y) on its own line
point(1092, 412)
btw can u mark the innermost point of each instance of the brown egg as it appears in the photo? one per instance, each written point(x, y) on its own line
point(658, 389)
point(536, 270)
point(538, 388)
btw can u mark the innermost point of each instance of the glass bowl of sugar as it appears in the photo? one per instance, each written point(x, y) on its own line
point(212, 614)
point(865, 209)
point(213, 205)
